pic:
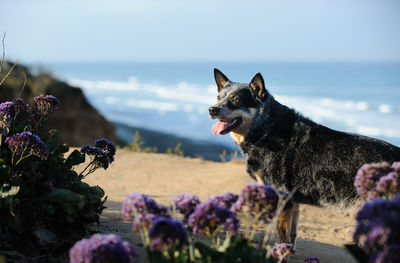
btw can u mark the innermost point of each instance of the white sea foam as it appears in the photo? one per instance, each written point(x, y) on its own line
point(183, 108)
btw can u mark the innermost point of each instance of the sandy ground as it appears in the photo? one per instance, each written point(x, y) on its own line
point(322, 231)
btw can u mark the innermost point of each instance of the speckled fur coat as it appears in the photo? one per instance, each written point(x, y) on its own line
point(291, 152)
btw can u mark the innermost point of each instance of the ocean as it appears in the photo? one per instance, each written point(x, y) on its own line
point(174, 98)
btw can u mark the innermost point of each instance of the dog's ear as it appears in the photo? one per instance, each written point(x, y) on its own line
point(258, 87)
point(220, 79)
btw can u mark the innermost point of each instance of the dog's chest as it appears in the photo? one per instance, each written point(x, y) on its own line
point(237, 138)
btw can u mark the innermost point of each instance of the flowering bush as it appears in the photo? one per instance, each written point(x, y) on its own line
point(44, 205)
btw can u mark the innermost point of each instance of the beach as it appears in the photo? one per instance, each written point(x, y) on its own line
point(322, 232)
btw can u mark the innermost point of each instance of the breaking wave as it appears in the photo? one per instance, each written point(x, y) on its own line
point(182, 108)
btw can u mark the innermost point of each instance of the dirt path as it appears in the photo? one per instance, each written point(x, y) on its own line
point(322, 232)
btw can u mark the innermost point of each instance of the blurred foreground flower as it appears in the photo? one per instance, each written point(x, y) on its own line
point(258, 201)
point(186, 204)
point(312, 260)
point(209, 218)
point(378, 227)
point(102, 248)
point(378, 180)
point(225, 200)
point(136, 204)
point(166, 234)
point(281, 251)
point(25, 144)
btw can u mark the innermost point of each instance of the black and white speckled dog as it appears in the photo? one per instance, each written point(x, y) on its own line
point(291, 152)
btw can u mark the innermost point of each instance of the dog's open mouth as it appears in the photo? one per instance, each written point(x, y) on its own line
point(222, 127)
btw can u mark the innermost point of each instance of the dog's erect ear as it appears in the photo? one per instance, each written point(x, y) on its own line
point(220, 79)
point(258, 86)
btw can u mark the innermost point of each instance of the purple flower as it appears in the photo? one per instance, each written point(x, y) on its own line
point(108, 147)
point(312, 260)
point(46, 104)
point(167, 233)
point(99, 158)
point(225, 200)
point(258, 200)
point(5, 116)
point(136, 204)
point(143, 221)
point(102, 153)
point(390, 255)
point(281, 251)
point(367, 176)
point(24, 144)
point(21, 105)
point(208, 217)
point(186, 204)
point(388, 185)
point(378, 226)
point(396, 167)
point(102, 248)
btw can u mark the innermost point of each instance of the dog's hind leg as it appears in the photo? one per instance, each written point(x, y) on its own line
point(284, 226)
point(294, 224)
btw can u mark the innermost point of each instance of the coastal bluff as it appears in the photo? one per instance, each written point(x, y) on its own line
point(78, 122)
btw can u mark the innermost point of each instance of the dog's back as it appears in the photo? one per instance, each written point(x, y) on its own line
point(290, 151)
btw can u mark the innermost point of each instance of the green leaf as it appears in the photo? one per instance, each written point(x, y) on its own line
point(63, 148)
point(357, 252)
point(75, 158)
point(67, 200)
point(8, 190)
point(97, 190)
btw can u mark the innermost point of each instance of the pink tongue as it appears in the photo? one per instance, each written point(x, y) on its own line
point(219, 126)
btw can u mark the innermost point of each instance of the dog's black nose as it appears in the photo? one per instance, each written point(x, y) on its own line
point(214, 111)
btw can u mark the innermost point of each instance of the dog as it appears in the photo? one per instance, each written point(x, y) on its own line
point(284, 149)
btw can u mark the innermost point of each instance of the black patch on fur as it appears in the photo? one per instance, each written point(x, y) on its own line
point(244, 97)
point(292, 152)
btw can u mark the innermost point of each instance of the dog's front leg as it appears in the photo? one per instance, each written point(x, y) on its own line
point(295, 222)
point(287, 226)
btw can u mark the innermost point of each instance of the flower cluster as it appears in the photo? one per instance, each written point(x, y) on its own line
point(5, 116)
point(257, 200)
point(143, 209)
point(102, 154)
point(186, 204)
point(25, 144)
point(167, 233)
point(378, 180)
point(46, 104)
point(378, 226)
point(312, 260)
point(281, 251)
point(225, 200)
point(102, 248)
point(208, 218)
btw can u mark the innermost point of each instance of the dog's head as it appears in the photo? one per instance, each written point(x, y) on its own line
point(237, 104)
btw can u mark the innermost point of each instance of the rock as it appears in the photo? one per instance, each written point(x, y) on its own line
point(78, 122)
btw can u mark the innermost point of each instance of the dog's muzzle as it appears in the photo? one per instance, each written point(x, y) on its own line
point(214, 112)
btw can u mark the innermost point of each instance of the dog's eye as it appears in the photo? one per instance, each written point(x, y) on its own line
point(218, 97)
point(235, 101)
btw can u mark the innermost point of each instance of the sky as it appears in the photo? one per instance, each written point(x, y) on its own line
point(206, 30)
